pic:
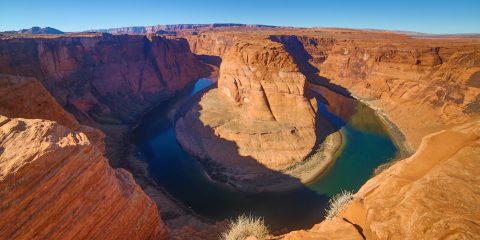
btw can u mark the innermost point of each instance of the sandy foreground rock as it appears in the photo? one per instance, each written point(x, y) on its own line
point(55, 181)
point(434, 194)
point(56, 184)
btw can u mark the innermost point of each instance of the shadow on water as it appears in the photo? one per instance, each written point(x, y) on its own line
point(366, 144)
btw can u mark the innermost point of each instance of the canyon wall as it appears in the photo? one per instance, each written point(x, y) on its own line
point(433, 80)
point(103, 78)
point(258, 121)
point(55, 181)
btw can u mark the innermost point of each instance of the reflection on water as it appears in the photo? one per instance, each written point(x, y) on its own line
point(367, 145)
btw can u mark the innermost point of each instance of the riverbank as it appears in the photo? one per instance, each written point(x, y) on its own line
point(405, 149)
point(319, 162)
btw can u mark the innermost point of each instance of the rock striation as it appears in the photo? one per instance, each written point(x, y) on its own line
point(56, 184)
point(259, 119)
point(55, 181)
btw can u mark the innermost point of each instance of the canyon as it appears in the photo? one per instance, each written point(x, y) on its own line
point(68, 103)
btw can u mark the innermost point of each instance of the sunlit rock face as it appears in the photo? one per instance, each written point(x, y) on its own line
point(263, 79)
point(55, 181)
point(258, 119)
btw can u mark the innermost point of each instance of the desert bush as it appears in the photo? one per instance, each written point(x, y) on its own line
point(245, 226)
point(337, 203)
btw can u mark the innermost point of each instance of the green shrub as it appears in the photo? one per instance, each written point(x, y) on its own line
point(245, 226)
point(337, 203)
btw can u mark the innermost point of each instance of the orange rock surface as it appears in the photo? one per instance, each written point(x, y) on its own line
point(426, 87)
point(56, 184)
point(55, 181)
point(431, 195)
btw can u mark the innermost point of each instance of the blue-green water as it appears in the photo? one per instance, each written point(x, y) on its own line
point(366, 145)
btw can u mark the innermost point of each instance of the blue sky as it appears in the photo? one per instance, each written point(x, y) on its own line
point(459, 16)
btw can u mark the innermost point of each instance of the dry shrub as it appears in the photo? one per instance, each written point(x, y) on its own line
point(246, 226)
point(337, 203)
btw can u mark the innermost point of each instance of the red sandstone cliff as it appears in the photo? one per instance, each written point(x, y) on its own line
point(105, 78)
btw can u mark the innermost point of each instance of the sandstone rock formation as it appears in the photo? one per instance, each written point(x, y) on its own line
point(56, 184)
point(106, 82)
point(423, 85)
point(434, 79)
point(431, 195)
point(55, 181)
point(259, 118)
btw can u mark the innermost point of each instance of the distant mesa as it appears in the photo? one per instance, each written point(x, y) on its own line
point(168, 29)
point(39, 30)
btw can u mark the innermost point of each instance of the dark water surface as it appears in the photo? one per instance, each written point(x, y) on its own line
point(366, 145)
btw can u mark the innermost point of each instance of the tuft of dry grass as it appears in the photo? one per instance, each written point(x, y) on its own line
point(244, 227)
point(337, 203)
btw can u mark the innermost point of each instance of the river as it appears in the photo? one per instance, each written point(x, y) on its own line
point(366, 145)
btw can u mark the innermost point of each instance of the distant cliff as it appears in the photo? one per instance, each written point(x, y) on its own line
point(175, 27)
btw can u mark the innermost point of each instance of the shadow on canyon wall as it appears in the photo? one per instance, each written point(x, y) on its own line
point(294, 46)
point(335, 102)
point(210, 59)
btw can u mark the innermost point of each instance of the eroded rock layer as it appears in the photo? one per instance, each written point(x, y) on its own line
point(424, 86)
